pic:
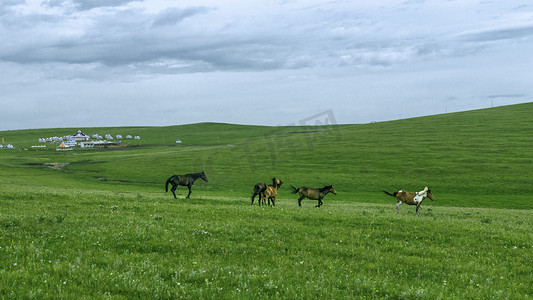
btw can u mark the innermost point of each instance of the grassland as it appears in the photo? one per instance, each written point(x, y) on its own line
point(101, 226)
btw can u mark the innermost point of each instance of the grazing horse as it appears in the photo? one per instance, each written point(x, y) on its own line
point(271, 192)
point(258, 189)
point(184, 180)
point(411, 198)
point(312, 193)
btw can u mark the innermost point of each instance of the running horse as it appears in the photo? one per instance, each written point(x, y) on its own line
point(313, 194)
point(184, 180)
point(411, 198)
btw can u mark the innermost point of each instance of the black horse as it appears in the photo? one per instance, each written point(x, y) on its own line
point(184, 180)
point(258, 189)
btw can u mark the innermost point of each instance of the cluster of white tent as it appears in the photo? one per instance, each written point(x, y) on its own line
point(82, 139)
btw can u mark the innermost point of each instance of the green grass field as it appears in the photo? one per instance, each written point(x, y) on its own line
point(100, 225)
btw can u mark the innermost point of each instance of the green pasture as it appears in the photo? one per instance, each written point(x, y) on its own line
point(477, 158)
point(97, 223)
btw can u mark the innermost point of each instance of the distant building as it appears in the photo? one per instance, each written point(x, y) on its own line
point(70, 143)
point(137, 137)
point(80, 136)
point(128, 136)
point(63, 147)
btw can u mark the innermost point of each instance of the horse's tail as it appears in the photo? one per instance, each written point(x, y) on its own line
point(258, 189)
point(294, 190)
point(166, 185)
point(393, 194)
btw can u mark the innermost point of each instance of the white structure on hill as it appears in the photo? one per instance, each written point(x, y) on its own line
point(80, 136)
point(70, 143)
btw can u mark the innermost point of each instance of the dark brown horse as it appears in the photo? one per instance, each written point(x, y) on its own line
point(184, 180)
point(313, 194)
point(271, 191)
point(411, 198)
point(258, 189)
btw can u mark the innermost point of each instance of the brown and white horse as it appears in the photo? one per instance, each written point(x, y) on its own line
point(411, 198)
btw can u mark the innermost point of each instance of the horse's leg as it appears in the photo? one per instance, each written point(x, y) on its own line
point(274, 201)
point(418, 208)
point(189, 186)
point(173, 190)
point(300, 201)
point(397, 206)
point(319, 203)
point(253, 196)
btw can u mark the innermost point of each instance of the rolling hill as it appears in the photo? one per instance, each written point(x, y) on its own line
point(473, 158)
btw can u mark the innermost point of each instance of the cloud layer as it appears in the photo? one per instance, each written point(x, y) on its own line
point(421, 47)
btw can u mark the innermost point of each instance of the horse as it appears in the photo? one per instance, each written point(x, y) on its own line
point(271, 192)
point(313, 194)
point(258, 189)
point(411, 198)
point(184, 180)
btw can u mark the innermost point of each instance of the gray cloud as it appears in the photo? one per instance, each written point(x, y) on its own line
point(87, 4)
point(499, 34)
point(136, 38)
point(174, 15)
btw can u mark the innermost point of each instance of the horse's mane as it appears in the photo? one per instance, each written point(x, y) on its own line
point(423, 191)
point(196, 175)
point(327, 187)
point(275, 182)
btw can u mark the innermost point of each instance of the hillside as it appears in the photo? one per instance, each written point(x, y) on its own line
point(473, 158)
point(98, 224)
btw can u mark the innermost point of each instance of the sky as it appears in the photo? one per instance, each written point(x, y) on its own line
point(98, 63)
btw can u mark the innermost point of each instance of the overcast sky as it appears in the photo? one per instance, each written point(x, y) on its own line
point(93, 63)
